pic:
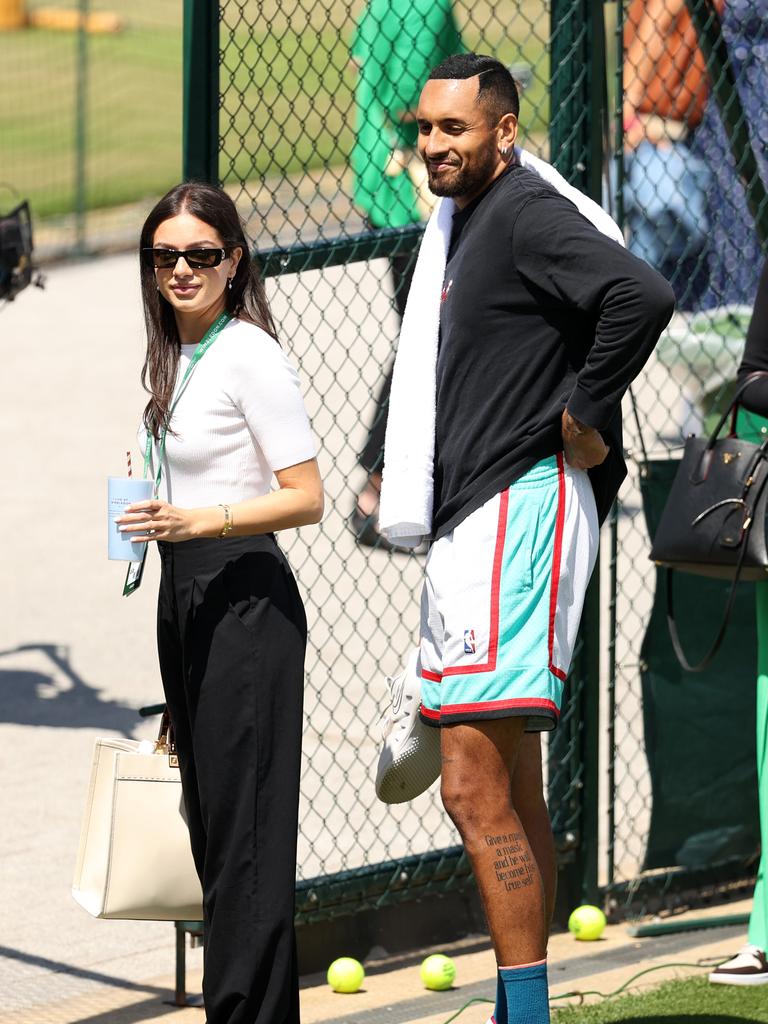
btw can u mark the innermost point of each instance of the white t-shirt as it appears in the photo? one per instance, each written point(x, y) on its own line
point(240, 419)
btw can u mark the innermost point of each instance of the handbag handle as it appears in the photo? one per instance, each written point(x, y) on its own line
point(672, 625)
point(166, 742)
point(733, 406)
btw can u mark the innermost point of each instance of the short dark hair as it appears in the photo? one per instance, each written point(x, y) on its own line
point(497, 91)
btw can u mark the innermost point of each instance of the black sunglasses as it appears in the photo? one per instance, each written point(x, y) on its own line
point(197, 259)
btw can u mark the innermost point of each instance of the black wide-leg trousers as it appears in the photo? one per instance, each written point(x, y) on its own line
point(231, 640)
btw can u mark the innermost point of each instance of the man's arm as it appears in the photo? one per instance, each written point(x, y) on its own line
point(576, 267)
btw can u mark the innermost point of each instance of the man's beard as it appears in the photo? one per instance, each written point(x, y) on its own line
point(466, 181)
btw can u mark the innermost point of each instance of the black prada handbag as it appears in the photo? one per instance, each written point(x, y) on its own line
point(714, 520)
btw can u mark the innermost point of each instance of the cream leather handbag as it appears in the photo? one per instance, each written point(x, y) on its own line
point(134, 861)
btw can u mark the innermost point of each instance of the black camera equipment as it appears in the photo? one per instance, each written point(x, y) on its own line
point(17, 269)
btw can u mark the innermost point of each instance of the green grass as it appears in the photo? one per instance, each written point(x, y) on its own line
point(693, 1001)
point(133, 115)
point(287, 91)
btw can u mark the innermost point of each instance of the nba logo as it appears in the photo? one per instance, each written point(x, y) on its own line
point(469, 641)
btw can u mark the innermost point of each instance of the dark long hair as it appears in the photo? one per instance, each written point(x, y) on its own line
point(246, 299)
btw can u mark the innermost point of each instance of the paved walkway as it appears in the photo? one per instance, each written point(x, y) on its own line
point(392, 992)
point(77, 660)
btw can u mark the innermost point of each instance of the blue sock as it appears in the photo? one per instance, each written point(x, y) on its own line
point(526, 994)
point(500, 1009)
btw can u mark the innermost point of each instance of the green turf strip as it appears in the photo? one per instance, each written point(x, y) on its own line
point(684, 1002)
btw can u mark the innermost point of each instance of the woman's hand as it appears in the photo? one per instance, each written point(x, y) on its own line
point(297, 501)
point(157, 520)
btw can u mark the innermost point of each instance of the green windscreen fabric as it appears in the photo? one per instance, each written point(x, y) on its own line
point(699, 727)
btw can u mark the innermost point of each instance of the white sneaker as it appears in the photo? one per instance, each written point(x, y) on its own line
point(748, 967)
point(409, 761)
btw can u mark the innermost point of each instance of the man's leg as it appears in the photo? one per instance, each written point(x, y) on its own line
point(528, 800)
point(479, 763)
point(531, 807)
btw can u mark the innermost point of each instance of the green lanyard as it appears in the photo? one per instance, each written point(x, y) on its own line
point(136, 569)
point(205, 343)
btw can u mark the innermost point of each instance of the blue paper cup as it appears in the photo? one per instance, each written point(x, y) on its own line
point(122, 491)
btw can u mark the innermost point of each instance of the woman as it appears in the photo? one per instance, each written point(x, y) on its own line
point(750, 965)
point(231, 625)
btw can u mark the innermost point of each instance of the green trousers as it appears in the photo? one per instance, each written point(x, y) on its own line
point(758, 922)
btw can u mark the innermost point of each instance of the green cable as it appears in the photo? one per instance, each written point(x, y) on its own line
point(471, 1002)
point(705, 962)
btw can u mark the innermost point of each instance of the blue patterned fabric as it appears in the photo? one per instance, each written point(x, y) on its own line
point(733, 254)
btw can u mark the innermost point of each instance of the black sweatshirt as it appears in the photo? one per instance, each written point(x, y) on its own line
point(540, 310)
point(755, 356)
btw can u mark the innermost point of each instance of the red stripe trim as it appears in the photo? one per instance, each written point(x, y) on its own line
point(521, 967)
point(497, 705)
point(429, 713)
point(556, 562)
point(493, 632)
point(433, 677)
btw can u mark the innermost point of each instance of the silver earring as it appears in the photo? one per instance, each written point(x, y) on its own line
point(229, 283)
point(504, 151)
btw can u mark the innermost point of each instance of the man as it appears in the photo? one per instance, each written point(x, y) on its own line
point(543, 323)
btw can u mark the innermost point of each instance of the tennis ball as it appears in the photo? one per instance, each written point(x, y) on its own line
point(587, 923)
point(346, 974)
point(438, 972)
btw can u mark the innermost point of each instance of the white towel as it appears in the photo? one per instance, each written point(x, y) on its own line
point(405, 512)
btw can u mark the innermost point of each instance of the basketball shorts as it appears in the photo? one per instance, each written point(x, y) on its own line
point(502, 601)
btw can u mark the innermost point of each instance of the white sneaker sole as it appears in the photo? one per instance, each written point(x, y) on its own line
point(738, 979)
point(409, 761)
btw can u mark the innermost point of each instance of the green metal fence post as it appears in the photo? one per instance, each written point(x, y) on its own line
point(201, 91)
point(81, 128)
point(577, 101)
point(568, 89)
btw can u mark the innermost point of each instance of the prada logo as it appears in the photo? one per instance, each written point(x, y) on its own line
point(730, 456)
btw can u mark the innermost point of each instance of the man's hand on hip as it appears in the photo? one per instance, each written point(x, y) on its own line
point(583, 445)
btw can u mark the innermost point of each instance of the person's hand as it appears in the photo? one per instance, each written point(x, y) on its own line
point(661, 131)
point(634, 129)
point(157, 520)
point(583, 446)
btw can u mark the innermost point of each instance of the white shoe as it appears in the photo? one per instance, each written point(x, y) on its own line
point(409, 761)
point(748, 967)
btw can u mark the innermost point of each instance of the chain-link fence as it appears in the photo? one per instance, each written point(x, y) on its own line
point(90, 116)
point(692, 170)
point(311, 129)
point(292, 106)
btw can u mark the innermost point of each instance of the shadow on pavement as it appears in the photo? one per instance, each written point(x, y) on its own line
point(62, 967)
point(57, 695)
point(150, 1011)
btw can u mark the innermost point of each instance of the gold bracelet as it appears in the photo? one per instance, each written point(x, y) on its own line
point(228, 523)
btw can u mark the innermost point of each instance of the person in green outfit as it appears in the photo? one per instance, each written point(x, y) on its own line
point(750, 965)
point(396, 44)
